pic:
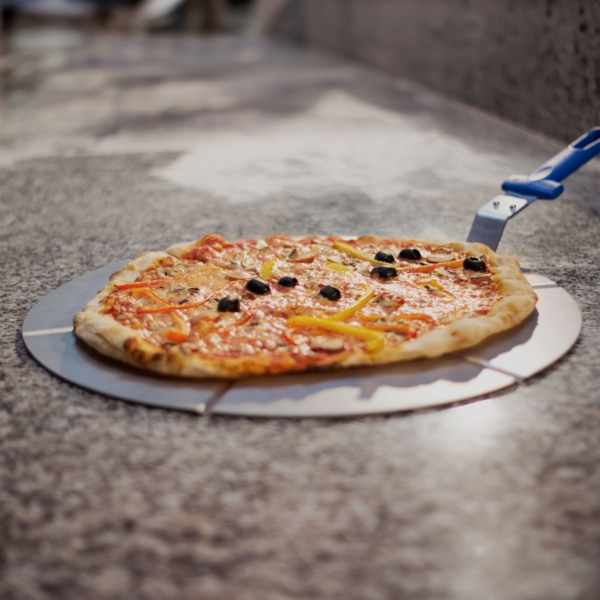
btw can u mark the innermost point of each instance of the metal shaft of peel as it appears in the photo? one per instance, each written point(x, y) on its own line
point(491, 218)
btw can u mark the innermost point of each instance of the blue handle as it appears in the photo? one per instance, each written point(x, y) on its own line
point(544, 182)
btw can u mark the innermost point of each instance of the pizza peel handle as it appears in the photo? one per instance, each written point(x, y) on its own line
point(542, 184)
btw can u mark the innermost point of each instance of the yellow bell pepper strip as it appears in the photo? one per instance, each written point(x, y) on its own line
point(338, 267)
point(156, 282)
point(429, 268)
point(405, 329)
point(434, 283)
point(182, 332)
point(348, 312)
point(354, 252)
point(266, 269)
point(172, 307)
point(374, 339)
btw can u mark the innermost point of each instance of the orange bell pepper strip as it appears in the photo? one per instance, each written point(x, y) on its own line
point(156, 282)
point(182, 332)
point(141, 284)
point(239, 322)
point(429, 268)
point(415, 317)
point(172, 307)
point(289, 339)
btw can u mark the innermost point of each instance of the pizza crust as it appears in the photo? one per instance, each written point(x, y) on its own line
point(126, 344)
point(518, 303)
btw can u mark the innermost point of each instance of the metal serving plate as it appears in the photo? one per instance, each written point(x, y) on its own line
point(501, 362)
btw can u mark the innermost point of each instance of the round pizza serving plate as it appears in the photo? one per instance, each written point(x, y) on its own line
point(500, 363)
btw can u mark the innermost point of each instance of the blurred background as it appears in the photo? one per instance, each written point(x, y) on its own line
point(536, 63)
point(206, 16)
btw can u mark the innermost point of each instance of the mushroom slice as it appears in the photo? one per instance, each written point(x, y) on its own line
point(235, 275)
point(440, 257)
point(298, 258)
point(324, 342)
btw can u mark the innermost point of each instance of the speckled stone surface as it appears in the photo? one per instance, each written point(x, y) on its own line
point(113, 147)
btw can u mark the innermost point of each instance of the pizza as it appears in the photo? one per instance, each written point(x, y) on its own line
point(217, 308)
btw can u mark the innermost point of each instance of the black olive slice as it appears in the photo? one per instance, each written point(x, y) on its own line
point(256, 286)
point(288, 282)
point(330, 293)
point(410, 254)
point(228, 304)
point(384, 272)
point(384, 257)
point(474, 264)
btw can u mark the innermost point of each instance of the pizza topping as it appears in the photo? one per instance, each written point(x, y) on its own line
point(228, 304)
point(472, 263)
point(172, 307)
point(355, 252)
point(440, 257)
point(181, 332)
point(256, 286)
point(374, 339)
point(433, 284)
point(384, 257)
point(403, 329)
point(329, 344)
point(392, 319)
point(384, 272)
point(480, 280)
point(288, 282)
point(415, 317)
point(140, 284)
point(334, 266)
point(237, 275)
point(266, 271)
point(351, 310)
point(148, 294)
point(242, 321)
point(430, 268)
point(167, 277)
point(330, 293)
point(410, 254)
point(303, 259)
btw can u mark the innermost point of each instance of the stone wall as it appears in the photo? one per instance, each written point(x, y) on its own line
point(536, 62)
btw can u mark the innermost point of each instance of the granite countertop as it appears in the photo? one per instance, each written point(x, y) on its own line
point(113, 146)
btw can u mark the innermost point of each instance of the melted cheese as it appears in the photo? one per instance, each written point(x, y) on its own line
point(175, 301)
